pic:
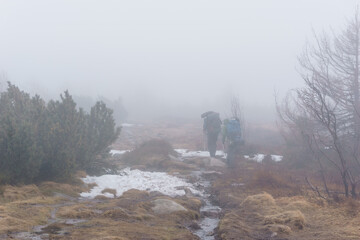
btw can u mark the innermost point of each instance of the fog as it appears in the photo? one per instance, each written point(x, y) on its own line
point(164, 58)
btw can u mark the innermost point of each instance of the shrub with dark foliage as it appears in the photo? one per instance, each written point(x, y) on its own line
point(51, 141)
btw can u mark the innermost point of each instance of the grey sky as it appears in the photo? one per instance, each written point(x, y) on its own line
point(169, 52)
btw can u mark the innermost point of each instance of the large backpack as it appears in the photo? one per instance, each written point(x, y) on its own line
point(233, 130)
point(213, 123)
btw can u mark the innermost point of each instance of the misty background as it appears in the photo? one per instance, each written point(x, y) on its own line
point(160, 58)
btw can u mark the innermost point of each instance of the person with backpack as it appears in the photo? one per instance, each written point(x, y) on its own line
point(232, 136)
point(211, 128)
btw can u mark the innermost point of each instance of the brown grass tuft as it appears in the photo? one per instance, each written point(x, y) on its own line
point(49, 188)
point(265, 178)
point(263, 203)
point(23, 215)
point(190, 203)
point(76, 211)
point(80, 174)
point(232, 226)
point(352, 207)
point(114, 238)
point(278, 228)
point(116, 214)
point(101, 197)
point(293, 218)
point(11, 193)
point(135, 194)
point(301, 205)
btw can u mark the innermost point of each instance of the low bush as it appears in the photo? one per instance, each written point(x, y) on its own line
point(50, 141)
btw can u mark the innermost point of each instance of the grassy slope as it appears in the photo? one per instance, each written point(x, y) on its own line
point(274, 202)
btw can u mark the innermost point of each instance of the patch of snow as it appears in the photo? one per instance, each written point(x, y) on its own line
point(188, 154)
point(113, 151)
point(259, 157)
point(277, 158)
point(136, 179)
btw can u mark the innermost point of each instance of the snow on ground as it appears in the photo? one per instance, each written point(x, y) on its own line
point(136, 179)
point(113, 151)
point(259, 157)
point(277, 158)
point(127, 125)
point(187, 153)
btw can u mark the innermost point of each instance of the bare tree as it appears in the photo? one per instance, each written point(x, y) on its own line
point(330, 101)
point(297, 126)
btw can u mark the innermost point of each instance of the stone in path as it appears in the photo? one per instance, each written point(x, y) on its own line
point(165, 206)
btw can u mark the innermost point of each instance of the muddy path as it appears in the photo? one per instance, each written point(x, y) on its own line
point(209, 212)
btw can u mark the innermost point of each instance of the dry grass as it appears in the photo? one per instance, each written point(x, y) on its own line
point(289, 208)
point(24, 214)
point(155, 229)
point(130, 216)
point(249, 213)
point(127, 217)
point(260, 215)
point(117, 214)
point(263, 202)
point(49, 188)
point(351, 207)
point(277, 181)
point(12, 193)
point(78, 211)
point(80, 174)
point(293, 218)
point(190, 203)
point(232, 227)
point(277, 228)
point(258, 200)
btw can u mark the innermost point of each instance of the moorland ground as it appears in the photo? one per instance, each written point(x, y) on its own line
point(265, 200)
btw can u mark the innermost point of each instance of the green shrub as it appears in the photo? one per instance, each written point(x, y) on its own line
point(40, 141)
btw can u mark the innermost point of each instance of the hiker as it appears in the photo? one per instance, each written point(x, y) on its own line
point(212, 128)
point(231, 135)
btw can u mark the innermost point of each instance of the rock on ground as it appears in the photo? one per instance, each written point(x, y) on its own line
point(165, 206)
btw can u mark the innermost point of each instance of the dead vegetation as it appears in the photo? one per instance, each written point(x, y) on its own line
point(260, 215)
point(51, 188)
point(131, 217)
point(11, 193)
point(259, 201)
point(23, 207)
point(127, 217)
point(272, 202)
